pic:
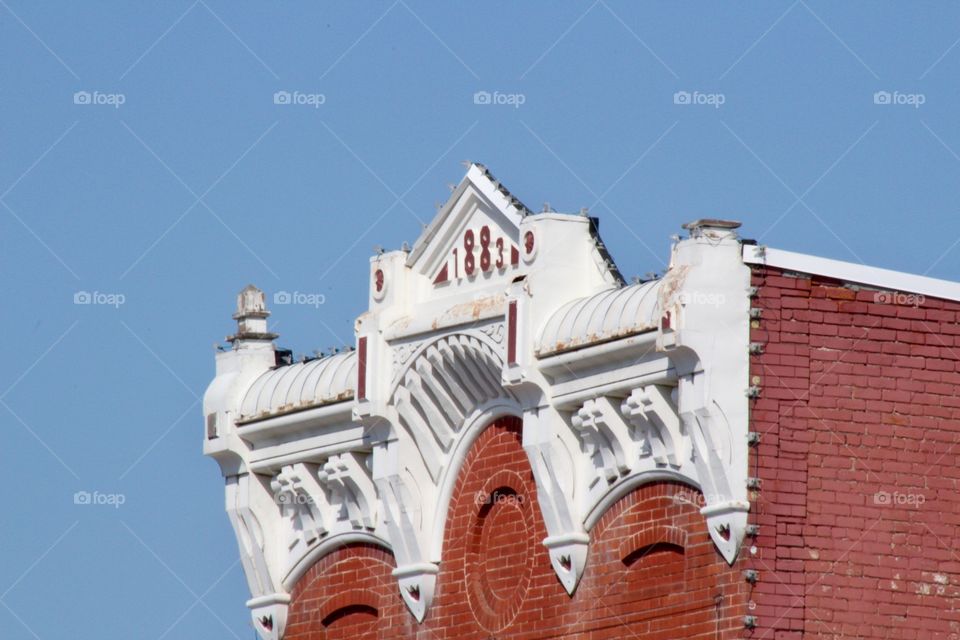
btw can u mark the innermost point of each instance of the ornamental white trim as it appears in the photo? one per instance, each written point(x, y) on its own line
point(495, 312)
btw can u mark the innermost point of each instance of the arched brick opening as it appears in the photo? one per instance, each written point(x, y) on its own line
point(349, 593)
point(652, 571)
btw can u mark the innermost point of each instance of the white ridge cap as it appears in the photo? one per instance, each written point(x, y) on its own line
point(852, 272)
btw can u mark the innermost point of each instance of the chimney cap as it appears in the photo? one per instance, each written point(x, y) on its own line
point(711, 223)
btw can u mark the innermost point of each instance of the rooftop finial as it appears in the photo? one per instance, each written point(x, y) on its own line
point(251, 302)
point(251, 317)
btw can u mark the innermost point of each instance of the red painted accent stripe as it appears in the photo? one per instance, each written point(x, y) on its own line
point(512, 332)
point(362, 369)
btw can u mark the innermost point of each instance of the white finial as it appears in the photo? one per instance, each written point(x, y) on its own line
point(251, 317)
point(250, 301)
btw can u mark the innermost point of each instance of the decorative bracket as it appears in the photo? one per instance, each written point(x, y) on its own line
point(568, 556)
point(347, 477)
point(651, 410)
point(417, 583)
point(270, 615)
point(726, 501)
point(554, 472)
point(606, 438)
point(298, 493)
point(401, 513)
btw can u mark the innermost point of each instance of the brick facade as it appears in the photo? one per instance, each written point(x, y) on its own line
point(858, 508)
point(653, 571)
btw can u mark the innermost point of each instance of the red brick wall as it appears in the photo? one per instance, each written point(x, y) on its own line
point(858, 508)
point(652, 572)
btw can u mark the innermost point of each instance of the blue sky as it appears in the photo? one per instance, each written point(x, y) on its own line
point(173, 179)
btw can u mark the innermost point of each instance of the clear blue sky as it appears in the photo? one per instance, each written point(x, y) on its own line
point(198, 184)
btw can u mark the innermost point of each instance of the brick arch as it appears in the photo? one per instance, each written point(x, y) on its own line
point(654, 568)
point(665, 536)
point(348, 593)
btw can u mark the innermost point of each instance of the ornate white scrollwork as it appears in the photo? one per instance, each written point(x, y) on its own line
point(494, 331)
point(298, 493)
point(652, 412)
point(606, 438)
point(402, 352)
point(352, 493)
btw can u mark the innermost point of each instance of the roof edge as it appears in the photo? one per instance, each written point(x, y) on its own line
point(491, 188)
point(852, 272)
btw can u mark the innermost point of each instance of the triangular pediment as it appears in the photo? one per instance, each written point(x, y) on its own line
point(475, 234)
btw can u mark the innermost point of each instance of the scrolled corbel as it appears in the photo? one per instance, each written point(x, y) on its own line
point(651, 410)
